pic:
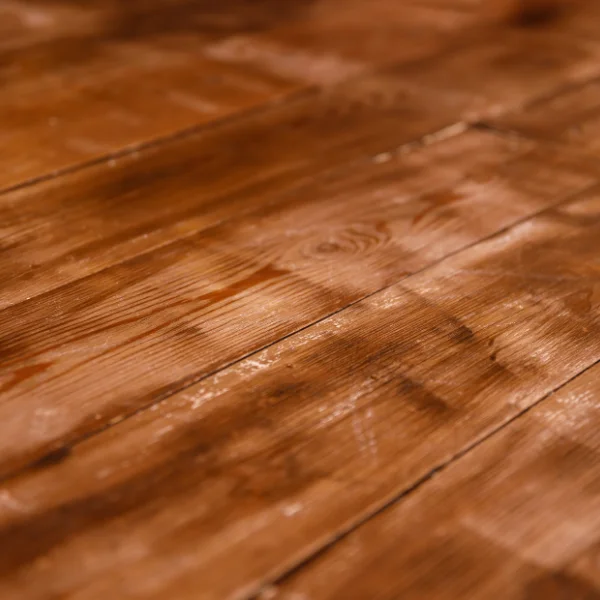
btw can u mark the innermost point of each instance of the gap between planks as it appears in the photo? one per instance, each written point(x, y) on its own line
point(485, 437)
point(451, 129)
point(545, 236)
point(159, 141)
point(306, 91)
point(65, 449)
point(384, 153)
point(445, 132)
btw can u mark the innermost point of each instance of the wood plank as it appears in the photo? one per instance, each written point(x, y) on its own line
point(101, 83)
point(35, 22)
point(518, 516)
point(97, 349)
point(574, 18)
point(571, 118)
point(74, 226)
point(52, 235)
point(345, 32)
point(262, 464)
point(501, 70)
point(578, 18)
point(116, 75)
point(496, 68)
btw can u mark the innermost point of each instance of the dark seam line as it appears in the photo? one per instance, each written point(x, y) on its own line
point(405, 148)
point(413, 487)
point(477, 123)
point(194, 380)
point(177, 135)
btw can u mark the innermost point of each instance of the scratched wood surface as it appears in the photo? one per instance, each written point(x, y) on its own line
point(163, 319)
point(340, 415)
point(298, 300)
point(519, 515)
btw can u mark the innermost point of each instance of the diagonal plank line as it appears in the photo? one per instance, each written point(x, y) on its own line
point(178, 387)
point(573, 86)
point(163, 140)
point(180, 134)
point(290, 99)
point(441, 467)
point(454, 44)
point(426, 139)
point(446, 132)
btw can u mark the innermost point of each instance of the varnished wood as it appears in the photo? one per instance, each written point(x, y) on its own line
point(507, 70)
point(520, 514)
point(111, 75)
point(161, 320)
point(347, 414)
point(570, 118)
point(76, 225)
point(88, 81)
point(85, 80)
point(368, 115)
point(298, 299)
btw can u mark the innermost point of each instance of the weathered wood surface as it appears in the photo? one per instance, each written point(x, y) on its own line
point(266, 268)
point(271, 459)
point(519, 517)
point(571, 118)
point(109, 75)
point(505, 69)
point(84, 80)
point(163, 319)
point(73, 226)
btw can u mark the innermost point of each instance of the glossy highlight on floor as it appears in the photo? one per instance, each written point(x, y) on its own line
point(299, 299)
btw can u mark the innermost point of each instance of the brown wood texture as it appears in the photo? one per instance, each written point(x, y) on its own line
point(163, 319)
point(86, 80)
point(264, 154)
point(518, 517)
point(571, 118)
point(279, 454)
point(299, 300)
point(75, 225)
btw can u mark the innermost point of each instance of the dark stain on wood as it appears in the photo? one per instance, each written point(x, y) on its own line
point(320, 334)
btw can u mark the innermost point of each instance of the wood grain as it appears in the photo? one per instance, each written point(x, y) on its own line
point(74, 226)
point(299, 299)
point(164, 319)
point(349, 414)
point(520, 513)
point(506, 69)
point(571, 118)
point(84, 80)
point(100, 84)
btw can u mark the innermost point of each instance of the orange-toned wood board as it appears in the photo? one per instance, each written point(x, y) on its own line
point(163, 319)
point(86, 80)
point(571, 117)
point(299, 299)
point(519, 516)
point(275, 457)
point(74, 225)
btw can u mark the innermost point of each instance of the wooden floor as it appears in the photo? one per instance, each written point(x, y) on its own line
point(299, 300)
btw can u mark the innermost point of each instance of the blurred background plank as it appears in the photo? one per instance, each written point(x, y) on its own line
point(266, 268)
